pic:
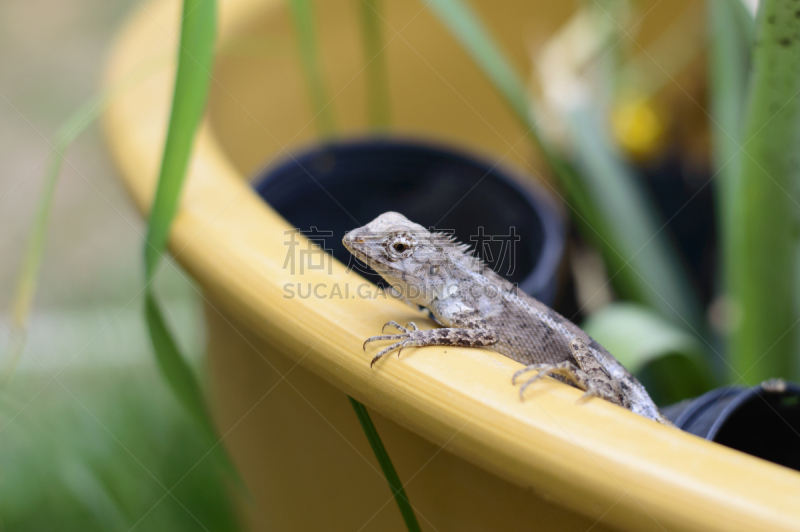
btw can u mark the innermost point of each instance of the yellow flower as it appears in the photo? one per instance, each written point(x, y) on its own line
point(637, 126)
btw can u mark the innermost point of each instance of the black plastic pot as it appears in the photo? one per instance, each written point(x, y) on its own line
point(763, 421)
point(339, 186)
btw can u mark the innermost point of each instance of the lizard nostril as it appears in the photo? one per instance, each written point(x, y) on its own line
point(353, 239)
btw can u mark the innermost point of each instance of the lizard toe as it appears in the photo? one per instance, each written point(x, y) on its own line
point(588, 394)
point(526, 369)
point(543, 371)
point(395, 325)
point(383, 337)
point(389, 349)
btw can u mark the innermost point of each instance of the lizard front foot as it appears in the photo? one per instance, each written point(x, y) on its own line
point(405, 338)
point(411, 336)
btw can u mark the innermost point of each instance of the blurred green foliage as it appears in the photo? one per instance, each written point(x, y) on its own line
point(604, 199)
point(670, 360)
point(106, 449)
point(753, 87)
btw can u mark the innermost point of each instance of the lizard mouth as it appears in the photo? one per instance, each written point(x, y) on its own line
point(355, 245)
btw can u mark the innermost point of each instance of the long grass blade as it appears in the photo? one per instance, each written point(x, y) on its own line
point(765, 203)
point(376, 71)
point(730, 33)
point(599, 222)
point(27, 279)
point(173, 365)
point(191, 89)
point(25, 288)
point(303, 17)
point(389, 472)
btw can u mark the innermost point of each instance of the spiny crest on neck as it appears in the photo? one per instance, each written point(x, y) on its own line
point(461, 251)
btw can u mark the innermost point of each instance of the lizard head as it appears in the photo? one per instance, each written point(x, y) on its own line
point(409, 257)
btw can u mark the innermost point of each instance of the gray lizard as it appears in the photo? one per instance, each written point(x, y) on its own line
point(478, 308)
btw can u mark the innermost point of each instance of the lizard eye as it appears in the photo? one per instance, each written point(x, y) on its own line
point(401, 246)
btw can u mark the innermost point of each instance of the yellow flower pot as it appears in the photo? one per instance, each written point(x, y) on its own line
point(472, 455)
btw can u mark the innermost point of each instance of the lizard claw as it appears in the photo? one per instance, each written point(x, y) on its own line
point(588, 394)
point(405, 339)
point(395, 325)
point(411, 326)
point(383, 337)
point(401, 344)
point(411, 337)
point(543, 371)
point(531, 367)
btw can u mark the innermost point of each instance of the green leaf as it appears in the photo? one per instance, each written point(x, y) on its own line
point(195, 58)
point(302, 14)
point(25, 288)
point(376, 71)
point(764, 204)
point(191, 90)
point(670, 362)
point(172, 364)
point(389, 472)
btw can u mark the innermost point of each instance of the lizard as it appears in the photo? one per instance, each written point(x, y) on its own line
point(476, 307)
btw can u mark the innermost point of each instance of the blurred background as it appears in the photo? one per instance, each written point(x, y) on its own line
point(91, 436)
